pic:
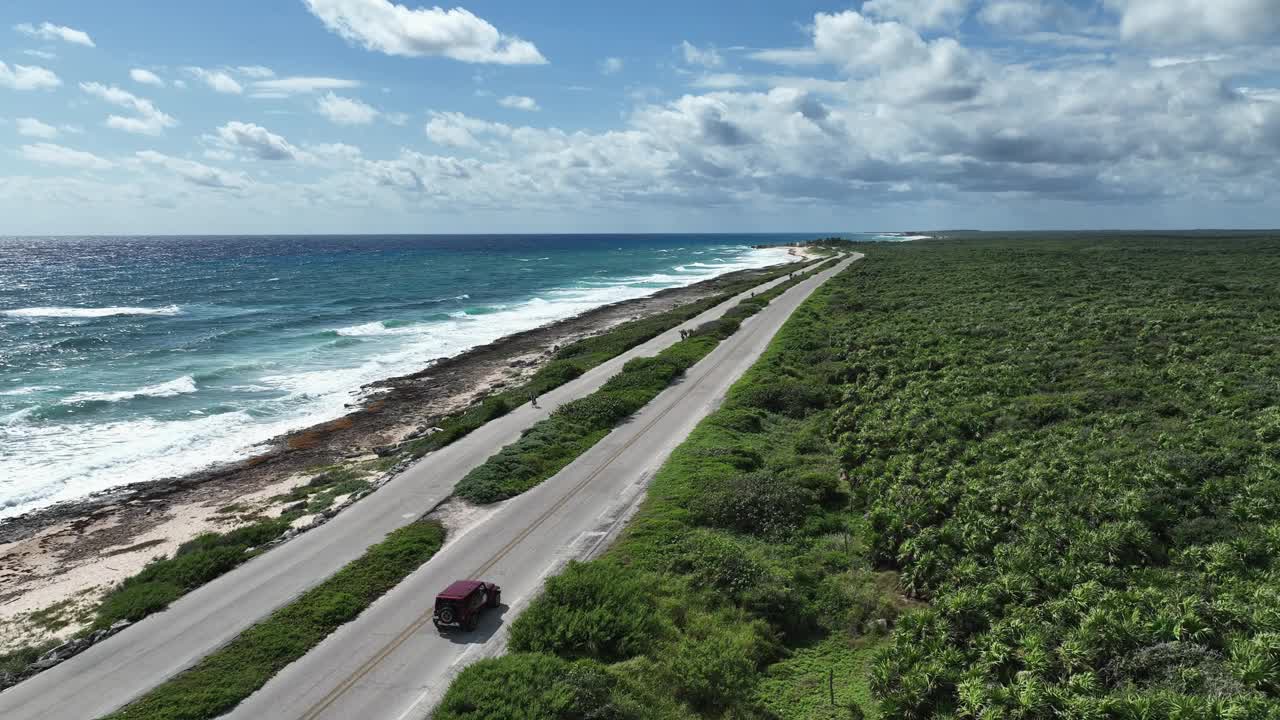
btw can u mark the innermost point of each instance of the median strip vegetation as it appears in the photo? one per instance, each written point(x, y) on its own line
point(223, 679)
point(574, 427)
point(576, 358)
point(1063, 500)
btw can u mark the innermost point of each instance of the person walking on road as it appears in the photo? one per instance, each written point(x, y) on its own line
point(533, 398)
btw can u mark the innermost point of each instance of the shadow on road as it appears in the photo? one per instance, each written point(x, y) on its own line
point(490, 622)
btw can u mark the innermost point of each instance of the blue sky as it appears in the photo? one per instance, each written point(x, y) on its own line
point(374, 116)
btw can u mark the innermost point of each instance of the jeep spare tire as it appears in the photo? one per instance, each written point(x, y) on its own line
point(446, 614)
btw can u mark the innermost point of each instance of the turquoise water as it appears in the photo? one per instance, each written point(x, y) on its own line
point(131, 359)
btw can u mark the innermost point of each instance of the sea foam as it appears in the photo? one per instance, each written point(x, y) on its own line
point(74, 312)
point(54, 460)
point(181, 386)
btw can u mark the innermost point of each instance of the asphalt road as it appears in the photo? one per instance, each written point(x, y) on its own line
point(392, 664)
point(125, 666)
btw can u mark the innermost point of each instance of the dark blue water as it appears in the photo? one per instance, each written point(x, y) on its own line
point(129, 359)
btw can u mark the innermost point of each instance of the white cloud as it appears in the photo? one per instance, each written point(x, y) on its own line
point(146, 77)
point(721, 81)
point(219, 80)
point(1015, 15)
point(453, 129)
point(32, 127)
point(149, 120)
point(693, 55)
point(49, 31)
point(50, 154)
point(519, 102)
point(180, 84)
point(27, 77)
point(1164, 62)
point(787, 56)
point(386, 27)
point(611, 65)
point(42, 54)
point(923, 14)
point(1167, 22)
point(256, 72)
point(397, 118)
point(346, 111)
point(890, 124)
point(196, 173)
point(257, 141)
point(283, 87)
point(916, 70)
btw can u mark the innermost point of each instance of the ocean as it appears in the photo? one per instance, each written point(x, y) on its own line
point(125, 359)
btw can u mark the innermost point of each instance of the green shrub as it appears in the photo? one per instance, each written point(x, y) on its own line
point(597, 410)
point(742, 459)
point(785, 397)
point(739, 419)
point(645, 373)
point(556, 373)
point(757, 503)
point(592, 610)
point(136, 601)
point(720, 329)
point(714, 560)
point(713, 666)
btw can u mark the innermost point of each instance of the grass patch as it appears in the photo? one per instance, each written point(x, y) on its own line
point(223, 679)
point(54, 617)
point(799, 687)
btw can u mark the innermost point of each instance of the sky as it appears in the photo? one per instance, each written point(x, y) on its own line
point(378, 116)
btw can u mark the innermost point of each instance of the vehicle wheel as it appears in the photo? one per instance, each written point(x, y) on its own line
point(495, 599)
point(446, 615)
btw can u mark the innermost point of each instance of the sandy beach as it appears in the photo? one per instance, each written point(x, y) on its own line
point(57, 562)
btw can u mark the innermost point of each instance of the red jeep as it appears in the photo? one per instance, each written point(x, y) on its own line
point(459, 604)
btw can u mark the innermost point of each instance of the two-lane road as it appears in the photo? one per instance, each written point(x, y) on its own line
point(125, 666)
point(391, 663)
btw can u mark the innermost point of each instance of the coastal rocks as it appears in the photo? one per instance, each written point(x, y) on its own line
point(75, 646)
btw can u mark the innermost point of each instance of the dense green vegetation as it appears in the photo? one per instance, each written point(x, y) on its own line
point(574, 427)
point(223, 679)
point(576, 358)
point(1064, 500)
point(1071, 448)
